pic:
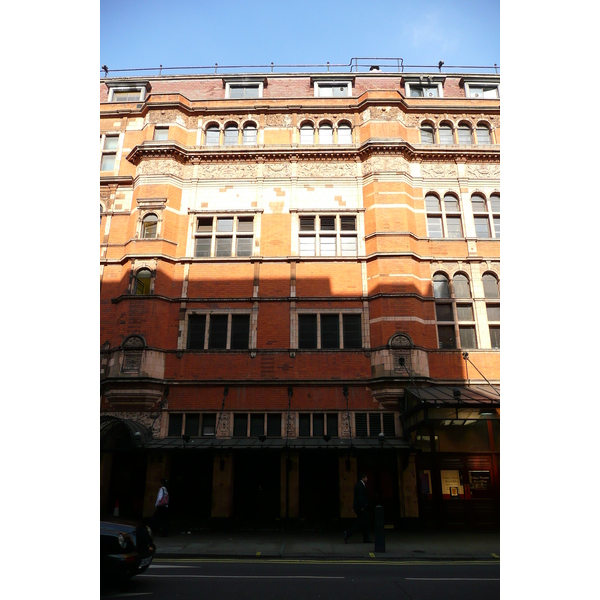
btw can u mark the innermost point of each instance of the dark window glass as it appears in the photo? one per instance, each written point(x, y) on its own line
point(240, 425)
point(209, 422)
point(361, 424)
point(461, 286)
point(274, 425)
point(464, 312)
point(244, 246)
point(495, 337)
point(348, 223)
point(257, 425)
point(352, 331)
point(443, 312)
point(304, 425)
point(427, 135)
point(330, 331)
point(307, 223)
point(202, 246)
point(240, 331)
point(307, 331)
point(245, 224)
point(490, 287)
point(192, 424)
point(446, 336)
point(223, 247)
point(175, 424)
point(332, 424)
point(389, 429)
point(318, 425)
point(217, 334)
point(482, 227)
point(205, 224)
point(196, 329)
point(467, 337)
point(495, 202)
point(327, 223)
point(441, 289)
point(374, 424)
point(493, 312)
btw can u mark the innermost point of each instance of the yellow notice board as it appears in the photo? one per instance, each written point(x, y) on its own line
point(451, 485)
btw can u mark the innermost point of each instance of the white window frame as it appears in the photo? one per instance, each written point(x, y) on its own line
point(234, 235)
point(127, 88)
point(243, 84)
point(443, 215)
point(319, 85)
point(482, 84)
point(109, 152)
point(408, 86)
point(337, 233)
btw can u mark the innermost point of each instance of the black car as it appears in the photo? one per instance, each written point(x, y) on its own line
point(126, 548)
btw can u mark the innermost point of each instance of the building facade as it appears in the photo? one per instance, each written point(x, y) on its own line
point(300, 281)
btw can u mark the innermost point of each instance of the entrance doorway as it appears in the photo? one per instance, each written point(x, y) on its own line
point(190, 489)
point(256, 488)
point(127, 484)
point(319, 488)
point(381, 468)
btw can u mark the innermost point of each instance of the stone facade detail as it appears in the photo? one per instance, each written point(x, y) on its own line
point(438, 170)
point(483, 171)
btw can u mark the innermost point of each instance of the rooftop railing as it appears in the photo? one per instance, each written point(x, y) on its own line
point(356, 65)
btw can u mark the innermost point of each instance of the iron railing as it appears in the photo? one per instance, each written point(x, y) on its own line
point(355, 65)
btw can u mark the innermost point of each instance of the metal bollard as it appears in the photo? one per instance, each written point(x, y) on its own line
point(379, 529)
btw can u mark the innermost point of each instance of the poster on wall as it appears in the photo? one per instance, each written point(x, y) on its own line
point(480, 480)
point(451, 484)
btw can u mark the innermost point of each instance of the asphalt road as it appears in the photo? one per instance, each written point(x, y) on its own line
point(168, 579)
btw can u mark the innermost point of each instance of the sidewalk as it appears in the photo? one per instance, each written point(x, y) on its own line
point(306, 545)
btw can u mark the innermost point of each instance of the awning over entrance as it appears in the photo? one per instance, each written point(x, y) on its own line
point(275, 443)
point(456, 405)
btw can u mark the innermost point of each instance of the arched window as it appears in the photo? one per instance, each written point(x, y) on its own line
point(325, 133)
point(142, 282)
point(481, 216)
point(307, 134)
point(427, 134)
point(441, 287)
point(231, 135)
point(495, 206)
point(249, 135)
point(344, 132)
point(212, 135)
point(491, 291)
point(149, 225)
point(483, 134)
point(462, 289)
point(445, 132)
point(434, 216)
point(443, 220)
point(490, 286)
point(452, 215)
point(465, 137)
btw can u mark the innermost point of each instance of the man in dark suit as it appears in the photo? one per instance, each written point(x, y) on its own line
point(360, 508)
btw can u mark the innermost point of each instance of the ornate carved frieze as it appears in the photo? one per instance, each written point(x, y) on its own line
point(163, 167)
point(170, 116)
point(277, 170)
point(327, 169)
point(227, 170)
point(385, 164)
point(279, 120)
point(438, 170)
point(483, 171)
point(344, 425)
point(224, 421)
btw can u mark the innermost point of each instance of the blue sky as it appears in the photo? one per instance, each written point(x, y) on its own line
point(181, 33)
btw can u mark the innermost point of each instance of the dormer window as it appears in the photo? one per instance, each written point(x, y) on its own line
point(426, 87)
point(244, 88)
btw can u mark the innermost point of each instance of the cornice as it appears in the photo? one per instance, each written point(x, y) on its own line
point(196, 155)
point(116, 180)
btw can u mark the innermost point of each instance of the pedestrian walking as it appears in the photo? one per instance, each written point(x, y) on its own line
point(161, 515)
point(360, 508)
